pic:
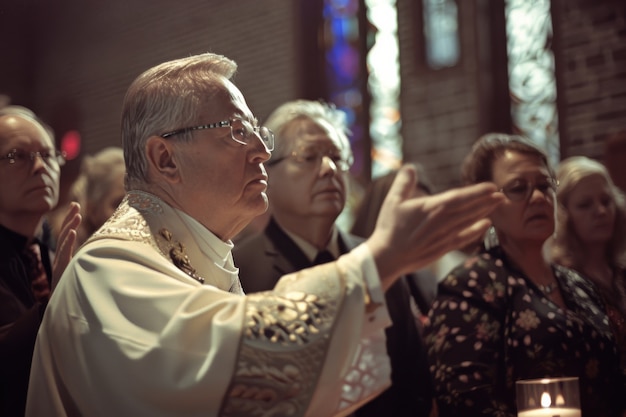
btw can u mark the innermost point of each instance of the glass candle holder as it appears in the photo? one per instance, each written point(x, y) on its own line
point(548, 397)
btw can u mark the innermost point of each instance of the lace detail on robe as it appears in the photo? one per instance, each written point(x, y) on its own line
point(122, 225)
point(273, 377)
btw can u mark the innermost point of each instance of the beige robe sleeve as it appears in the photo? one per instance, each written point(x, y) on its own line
point(128, 333)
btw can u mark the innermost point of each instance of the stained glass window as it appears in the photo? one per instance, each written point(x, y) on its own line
point(532, 82)
point(343, 70)
point(441, 33)
point(383, 82)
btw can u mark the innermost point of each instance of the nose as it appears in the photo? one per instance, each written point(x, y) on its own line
point(543, 195)
point(601, 209)
point(327, 166)
point(37, 161)
point(258, 151)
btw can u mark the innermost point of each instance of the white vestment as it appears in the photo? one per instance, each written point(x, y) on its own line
point(131, 330)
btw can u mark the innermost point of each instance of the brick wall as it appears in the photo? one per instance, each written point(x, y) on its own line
point(91, 51)
point(591, 54)
point(444, 111)
point(71, 61)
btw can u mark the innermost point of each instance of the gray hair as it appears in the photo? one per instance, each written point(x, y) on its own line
point(166, 97)
point(316, 111)
point(98, 175)
point(28, 114)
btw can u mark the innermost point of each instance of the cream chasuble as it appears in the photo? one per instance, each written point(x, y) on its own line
point(149, 319)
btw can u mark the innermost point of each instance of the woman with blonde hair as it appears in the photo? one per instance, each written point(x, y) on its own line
point(591, 235)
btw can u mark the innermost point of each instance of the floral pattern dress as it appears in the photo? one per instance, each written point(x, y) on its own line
point(490, 325)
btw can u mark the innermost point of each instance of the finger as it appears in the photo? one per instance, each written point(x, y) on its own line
point(71, 221)
point(467, 206)
point(453, 241)
point(403, 184)
point(441, 225)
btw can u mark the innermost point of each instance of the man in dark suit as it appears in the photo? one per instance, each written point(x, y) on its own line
point(307, 192)
point(29, 189)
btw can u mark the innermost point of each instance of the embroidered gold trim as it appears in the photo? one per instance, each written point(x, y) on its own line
point(178, 255)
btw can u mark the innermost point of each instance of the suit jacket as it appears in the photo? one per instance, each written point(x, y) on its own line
point(20, 316)
point(263, 258)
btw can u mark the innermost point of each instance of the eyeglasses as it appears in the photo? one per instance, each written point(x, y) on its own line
point(311, 157)
point(20, 158)
point(241, 131)
point(521, 190)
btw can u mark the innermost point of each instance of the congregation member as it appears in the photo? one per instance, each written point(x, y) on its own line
point(591, 235)
point(507, 314)
point(307, 191)
point(30, 168)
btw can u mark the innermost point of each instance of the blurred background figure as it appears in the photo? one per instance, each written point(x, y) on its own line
point(507, 313)
point(30, 168)
point(307, 191)
point(591, 234)
point(99, 189)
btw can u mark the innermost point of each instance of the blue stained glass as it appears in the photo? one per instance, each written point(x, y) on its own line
point(344, 62)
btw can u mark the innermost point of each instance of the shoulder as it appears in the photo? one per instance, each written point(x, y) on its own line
point(579, 287)
point(484, 276)
point(484, 266)
point(250, 244)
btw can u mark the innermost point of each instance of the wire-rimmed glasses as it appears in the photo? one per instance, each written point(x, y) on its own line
point(312, 156)
point(20, 158)
point(241, 131)
point(522, 189)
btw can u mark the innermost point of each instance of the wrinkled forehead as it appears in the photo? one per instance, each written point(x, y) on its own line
point(307, 132)
point(17, 131)
point(224, 101)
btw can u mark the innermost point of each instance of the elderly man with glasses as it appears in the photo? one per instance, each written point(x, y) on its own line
point(29, 189)
point(150, 317)
point(308, 189)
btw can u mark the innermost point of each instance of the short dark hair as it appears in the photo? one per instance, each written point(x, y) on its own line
point(478, 164)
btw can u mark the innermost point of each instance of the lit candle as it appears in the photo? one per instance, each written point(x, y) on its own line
point(550, 412)
point(546, 411)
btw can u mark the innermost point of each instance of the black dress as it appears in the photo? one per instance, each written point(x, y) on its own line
point(490, 325)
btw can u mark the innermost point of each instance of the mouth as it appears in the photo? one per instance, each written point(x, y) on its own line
point(329, 191)
point(259, 181)
point(538, 217)
point(39, 188)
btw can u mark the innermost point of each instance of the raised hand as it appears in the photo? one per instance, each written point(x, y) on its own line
point(412, 232)
point(66, 242)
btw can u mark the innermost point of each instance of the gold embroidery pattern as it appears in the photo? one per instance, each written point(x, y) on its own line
point(123, 225)
point(127, 225)
point(179, 257)
point(295, 318)
point(286, 338)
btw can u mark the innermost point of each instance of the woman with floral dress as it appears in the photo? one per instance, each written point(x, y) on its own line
point(507, 314)
point(591, 235)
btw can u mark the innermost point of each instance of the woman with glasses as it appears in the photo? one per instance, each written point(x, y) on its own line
point(507, 314)
point(591, 235)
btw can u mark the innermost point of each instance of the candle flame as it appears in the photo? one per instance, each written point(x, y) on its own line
point(546, 400)
point(560, 400)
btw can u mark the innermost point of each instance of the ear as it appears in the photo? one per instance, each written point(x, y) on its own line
point(161, 161)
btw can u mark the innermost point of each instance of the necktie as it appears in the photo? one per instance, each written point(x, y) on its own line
point(323, 257)
point(37, 273)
